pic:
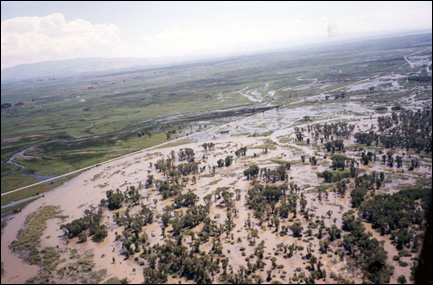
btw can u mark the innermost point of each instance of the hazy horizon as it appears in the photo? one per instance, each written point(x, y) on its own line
point(51, 31)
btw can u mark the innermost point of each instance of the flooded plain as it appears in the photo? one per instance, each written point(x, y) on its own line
point(273, 130)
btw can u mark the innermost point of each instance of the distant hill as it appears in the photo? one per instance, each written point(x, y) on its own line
point(79, 66)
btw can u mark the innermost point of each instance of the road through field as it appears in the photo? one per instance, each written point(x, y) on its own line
point(114, 159)
point(160, 145)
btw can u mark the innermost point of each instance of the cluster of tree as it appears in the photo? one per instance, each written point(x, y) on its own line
point(299, 136)
point(264, 199)
point(297, 229)
point(342, 95)
point(329, 131)
point(144, 132)
point(5, 106)
point(175, 172)
point(306, 118)
point(172, 258)
point(132, 242)
point(252, 171)
point(339, 161)
point(367, 253)
point(357, 196)
point(412, 130)
point(193, 217)
point(367, 138)
point(334, 145)
point(363, 184)
point(408, 129)
point(381, 108)
point(395, 214)
point(274, 175)
point(89, 225)
point(227, 161)
point(313, 160)
point(278, 174)
point(169, 133)
point(397, 108)
point(133, 227)
point(169, 189)
point(420, 78)
point(185, 200)
point(287, 206)
point(186, 154)
point(114, 199)
point(414, 163)
point(367, 157)
point(334, 176)
point(185, 169)
point(135, 222)
point(208, 146)
point(163, 165)
point(241, 152)
point(132, 195)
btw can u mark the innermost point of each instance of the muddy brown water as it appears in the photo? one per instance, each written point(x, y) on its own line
point(89, 188)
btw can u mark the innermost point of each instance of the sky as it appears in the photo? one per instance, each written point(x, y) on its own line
point(35, 31)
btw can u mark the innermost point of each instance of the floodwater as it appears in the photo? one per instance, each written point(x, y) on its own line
point(20, 153)
point(89, 188)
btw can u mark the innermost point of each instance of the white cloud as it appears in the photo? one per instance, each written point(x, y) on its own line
point(35, 39)
point(177, 41)
point(387, 21)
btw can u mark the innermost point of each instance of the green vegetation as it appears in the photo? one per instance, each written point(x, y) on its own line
point(408, 129)
point(115, 280)
point(395, 214)
point(268, 145)
point(115, 200)
point(185, 200)
point(36, 190)
point(89, 225)
point(368, 253)
point(252, 171)
point(28, 238)
point(15, 208)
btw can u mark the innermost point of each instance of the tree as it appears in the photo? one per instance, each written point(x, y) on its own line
point(185, 200)
point(403, 237)
point(297, 229)
point(276, 223)
point(401, 279)
point(313, 160)
point(399, 161)
point(115, 200)
point(238, 194)
point(338, 161)
point(241, 152)
point(357, 195)
point(228, 160)
point(99, 233)
point(149, 181)
point(82, 237)
point(252, 171)
point(328, 146)
point(303, 203)
point(208, 199)
point(189, 152)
